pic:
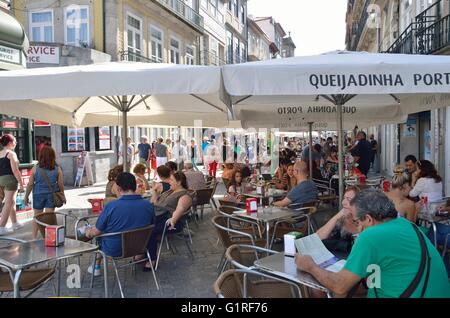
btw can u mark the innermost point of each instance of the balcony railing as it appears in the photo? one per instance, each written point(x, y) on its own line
point(210, 58)
point(427, 35)
point(135, 57)
point(185, 12)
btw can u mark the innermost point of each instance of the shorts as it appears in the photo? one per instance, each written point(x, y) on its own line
point(144, 162)
point(9, 182)
point(43, 200)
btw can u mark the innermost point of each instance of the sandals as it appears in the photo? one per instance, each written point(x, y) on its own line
point(148, 268)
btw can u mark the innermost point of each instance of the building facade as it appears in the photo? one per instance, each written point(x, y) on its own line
point(258, 42)
point(407, 27)
point(275, 32)
point(236, 31)
point(84, 32)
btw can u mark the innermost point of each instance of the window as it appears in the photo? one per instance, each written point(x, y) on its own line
point(74, 139)
point(243, 53)
point(156, 43)
point(243, 14)
point(229, 47)
point(103, 138)
point(230, 7)
point(236, 8)
point(42, 26)
point(134, 37)
point(190, 55)
point(237, 50)
point(77, 25)
point(174, 51)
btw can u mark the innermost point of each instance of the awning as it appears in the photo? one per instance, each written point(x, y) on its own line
point(13, 43)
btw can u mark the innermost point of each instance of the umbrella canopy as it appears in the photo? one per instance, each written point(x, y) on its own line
point(94, 95)
point(97, 94)
point(347, 86)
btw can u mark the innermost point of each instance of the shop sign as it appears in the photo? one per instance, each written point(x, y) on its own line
point(40, 123)
point(43, 54)
point(9, 55)
point(10, 124)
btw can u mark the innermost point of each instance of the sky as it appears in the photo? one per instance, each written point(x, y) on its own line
point(316, 26)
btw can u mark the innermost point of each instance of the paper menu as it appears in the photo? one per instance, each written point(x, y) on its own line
point(312, 245)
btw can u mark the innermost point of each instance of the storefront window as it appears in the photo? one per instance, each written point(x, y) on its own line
point(74, 139)
point(103, 138)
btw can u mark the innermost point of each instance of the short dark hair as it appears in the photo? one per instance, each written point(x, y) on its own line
point(126, 181)
point(330, 139)
point(427, 170)
point(318, 147)
point(410, 158)
point(172, 166)
point(181, 177)
point(363, 133)
point(163, 171)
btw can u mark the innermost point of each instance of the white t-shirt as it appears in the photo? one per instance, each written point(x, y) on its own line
point(429, 188)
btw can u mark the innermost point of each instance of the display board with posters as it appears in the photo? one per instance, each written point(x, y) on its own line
point(76, 139)
point(84, 168)
point(104, 138)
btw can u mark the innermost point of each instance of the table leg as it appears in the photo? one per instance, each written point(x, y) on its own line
point(433, 224)
point(58, 290)
point(267, 235)
point(16, 283)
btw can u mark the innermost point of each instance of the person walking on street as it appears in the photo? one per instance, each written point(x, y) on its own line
point(47, 168)
point(362, 153)
point(9, 180)
point(145, 154)
point(130, 154)
point(193, 154)
point(374, 145)
point(212, 158)
point(162, 153)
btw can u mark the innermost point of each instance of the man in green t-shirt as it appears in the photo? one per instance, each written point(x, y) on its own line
point(387, 254)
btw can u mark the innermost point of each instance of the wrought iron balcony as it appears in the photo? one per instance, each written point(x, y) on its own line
point(135, 57)
point(210, 58)
point(427, 35)
point(183, 12)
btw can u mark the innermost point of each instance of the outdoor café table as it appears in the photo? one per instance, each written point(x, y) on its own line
point(78, 215)
point(284, 266)
point(267, 215)
point(19, 256)
point(433, 219)
point(272, 193)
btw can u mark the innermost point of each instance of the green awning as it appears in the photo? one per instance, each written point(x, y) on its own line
point(13, 42)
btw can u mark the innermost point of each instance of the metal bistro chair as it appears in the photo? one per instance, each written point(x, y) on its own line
point(49, 218)
point(285, 226)
point(240, 223)
point(234, 283)
point(187, 240)
point(229, 236)
point(134, 243)
point(30, 280)
point(238, 256)
point(204, 197)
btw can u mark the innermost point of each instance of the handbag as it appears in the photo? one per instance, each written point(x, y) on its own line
point(58, 197)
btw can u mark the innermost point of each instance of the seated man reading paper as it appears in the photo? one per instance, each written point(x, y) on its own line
point(388, 253)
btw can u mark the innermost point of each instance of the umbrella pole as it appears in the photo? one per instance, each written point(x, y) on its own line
point(340, 153)
point(125, 133)
point(310, 151)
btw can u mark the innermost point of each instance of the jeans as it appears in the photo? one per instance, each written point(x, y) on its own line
point(160, 222)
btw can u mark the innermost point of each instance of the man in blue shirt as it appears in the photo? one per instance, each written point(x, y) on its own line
point(304, 192)
point(130, 212)
point(144, 151)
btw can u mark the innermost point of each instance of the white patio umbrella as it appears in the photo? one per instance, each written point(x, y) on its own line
point(95, 95)
point(349, 86)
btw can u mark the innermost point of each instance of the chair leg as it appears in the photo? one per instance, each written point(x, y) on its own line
point(189, 231)
point(118, 278)
point(153, 270)
point(163, 236)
